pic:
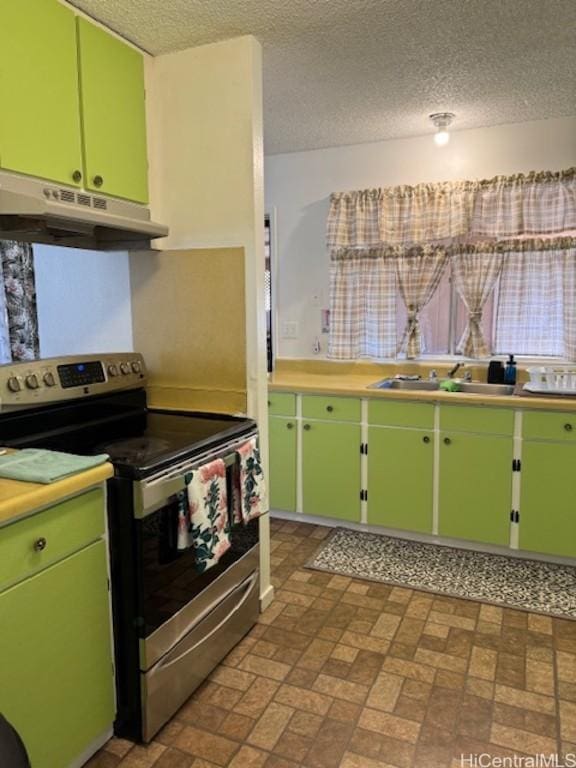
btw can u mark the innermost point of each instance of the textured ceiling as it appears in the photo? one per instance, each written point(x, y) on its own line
point(352, 71)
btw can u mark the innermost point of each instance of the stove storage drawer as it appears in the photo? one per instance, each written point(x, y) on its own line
point(30, 545)
point(167, 685)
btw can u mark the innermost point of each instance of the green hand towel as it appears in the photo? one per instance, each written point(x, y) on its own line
point(34, 465)
point(450, 386)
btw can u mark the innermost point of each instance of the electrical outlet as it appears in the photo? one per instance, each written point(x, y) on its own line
point(290, 329)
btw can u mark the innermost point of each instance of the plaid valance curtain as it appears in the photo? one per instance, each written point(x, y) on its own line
point(542, 203)
point(417, 229)
point(18, 313)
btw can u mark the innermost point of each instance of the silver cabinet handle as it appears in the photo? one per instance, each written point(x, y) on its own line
point(40, 544)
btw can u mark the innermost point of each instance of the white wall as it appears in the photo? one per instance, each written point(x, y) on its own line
point(205, 139)
point(205, 151)
point(83, 301)
point(298, 186)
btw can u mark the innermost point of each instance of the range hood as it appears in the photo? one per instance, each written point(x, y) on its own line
point(37, 211)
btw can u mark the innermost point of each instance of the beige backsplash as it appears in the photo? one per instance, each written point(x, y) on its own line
point(382, 370)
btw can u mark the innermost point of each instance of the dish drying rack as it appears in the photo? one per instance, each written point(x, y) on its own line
point(552, 380)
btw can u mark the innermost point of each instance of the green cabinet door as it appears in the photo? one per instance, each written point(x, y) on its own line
point(113, 114)
point(56, 659)
point(331, 470)
point(475, 487)
point(282, 463)
point(40, 123)
point(400, 478)
point(548, 498)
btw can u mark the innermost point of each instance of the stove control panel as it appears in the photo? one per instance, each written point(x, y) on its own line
point(56, 379)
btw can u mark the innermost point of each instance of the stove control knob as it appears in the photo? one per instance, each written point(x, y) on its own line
point(32, 381)
point(136, 367)
point(14, 384)
point(49, 379)
point(113, 370)
point(125, 369)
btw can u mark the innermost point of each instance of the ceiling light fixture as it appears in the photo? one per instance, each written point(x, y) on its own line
point(442, 121)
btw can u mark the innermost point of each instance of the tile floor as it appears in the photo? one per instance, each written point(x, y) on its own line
point(345, 673)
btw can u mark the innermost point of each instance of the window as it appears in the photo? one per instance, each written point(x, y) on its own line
point(465, 267)
point(443, 320)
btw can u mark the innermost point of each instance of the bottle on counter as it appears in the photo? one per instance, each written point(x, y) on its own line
point(495, 372)
point(510, 371)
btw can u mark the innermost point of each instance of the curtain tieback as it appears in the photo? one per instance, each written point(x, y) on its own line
point(474, 320)
point(413, 320)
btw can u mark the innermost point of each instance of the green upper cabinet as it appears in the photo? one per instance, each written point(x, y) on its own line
point(282, 465)
point(40, 126)
point(113, 114)
point(400, 478)
point(475, 497)
point(548, 497)
point(331, 469)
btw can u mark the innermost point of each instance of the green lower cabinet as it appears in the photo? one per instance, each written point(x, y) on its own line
point(56, 658)
point(475, 496)
point(548, 498)
point(400, 478)
point(331, 470)
point(282, 465)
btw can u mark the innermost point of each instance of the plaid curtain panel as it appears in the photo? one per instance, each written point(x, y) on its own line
point(419, 271)
point(362, 305)
point(536, 304)
point(475, 273)
point(569, 308)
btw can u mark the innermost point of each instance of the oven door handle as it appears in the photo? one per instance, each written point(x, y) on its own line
point(246, 587)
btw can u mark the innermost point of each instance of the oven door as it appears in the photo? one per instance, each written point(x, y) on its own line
point(174, 594)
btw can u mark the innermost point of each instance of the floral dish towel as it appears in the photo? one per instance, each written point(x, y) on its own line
point(249, 486)
point(204, 524)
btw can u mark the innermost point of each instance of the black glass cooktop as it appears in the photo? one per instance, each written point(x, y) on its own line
point(139, 441)
point(163, 438)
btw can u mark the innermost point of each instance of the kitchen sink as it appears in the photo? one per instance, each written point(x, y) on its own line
point(467, 387)
point(401, 384)
point(479, 388)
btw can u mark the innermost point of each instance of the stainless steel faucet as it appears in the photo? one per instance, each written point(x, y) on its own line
point(467, 375)
point(452, 372)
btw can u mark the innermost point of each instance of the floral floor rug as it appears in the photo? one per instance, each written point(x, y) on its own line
point(531, 585)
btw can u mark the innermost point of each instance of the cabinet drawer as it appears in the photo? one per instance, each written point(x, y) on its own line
point(63, 529)
point(537, 425)
point(281, 404)
point(396, 414)
point(330, 408)
point(486, 421)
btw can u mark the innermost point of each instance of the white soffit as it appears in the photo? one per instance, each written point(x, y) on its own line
point(352, 71)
